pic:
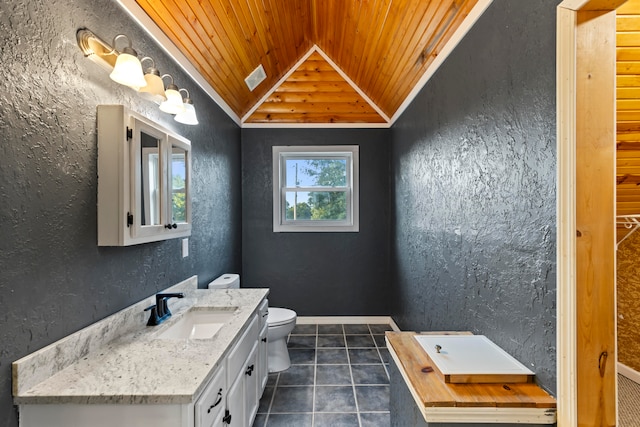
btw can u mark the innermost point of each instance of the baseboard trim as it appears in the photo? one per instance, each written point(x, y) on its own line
point(328, 320)
point(628, 372)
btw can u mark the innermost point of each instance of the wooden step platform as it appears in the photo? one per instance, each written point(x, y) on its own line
point(435, 397)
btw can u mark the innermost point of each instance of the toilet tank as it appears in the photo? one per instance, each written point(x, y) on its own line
point(226, 281)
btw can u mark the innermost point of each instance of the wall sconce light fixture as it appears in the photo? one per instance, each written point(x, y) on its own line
point(125, 68)
point(128, 69)
point(173, 104)
point(154, 90)
point(188, 117)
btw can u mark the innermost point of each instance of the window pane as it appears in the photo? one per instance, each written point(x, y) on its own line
point(316, 206)
point(316, 172)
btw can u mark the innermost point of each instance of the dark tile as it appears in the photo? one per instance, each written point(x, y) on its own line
point(356, 329)
point(380, 341)
point(333, 375)
point(302, 341)
point(330, 340)
point(373, 398)
point(386, 356)
point(304, 330)
point(272, 379)
point(330, 329)
point(335, 399)
point(375, 419)
point(380, 328)
point(265, 400)
point(336, 420)
point(302, 356)
point(297, 375)
point(369, 374)
point(364, 355)
point(290, 420)
point(292, 399)
point(360, 341)
point(260, 420)
point(334, 356)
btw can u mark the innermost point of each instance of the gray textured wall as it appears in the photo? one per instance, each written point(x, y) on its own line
point(318, 273)
point(473, 163)
point(54, 279)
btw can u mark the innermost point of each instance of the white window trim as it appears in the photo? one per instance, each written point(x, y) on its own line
point(352, 224)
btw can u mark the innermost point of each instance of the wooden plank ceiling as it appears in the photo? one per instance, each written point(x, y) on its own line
point(315, 93)
point(383, 46)
point(628, 112)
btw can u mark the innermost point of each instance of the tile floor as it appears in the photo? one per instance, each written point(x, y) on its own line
point(338, 377)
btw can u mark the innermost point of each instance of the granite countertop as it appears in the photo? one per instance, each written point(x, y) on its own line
point(138, 368)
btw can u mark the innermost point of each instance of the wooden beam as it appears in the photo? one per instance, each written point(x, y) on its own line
point(586, 5)
point(586, 233)
point(595, 212)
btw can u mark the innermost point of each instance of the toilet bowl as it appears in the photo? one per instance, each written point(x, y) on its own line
point(280, 322)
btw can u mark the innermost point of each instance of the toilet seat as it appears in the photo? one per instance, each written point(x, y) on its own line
point(280, 316)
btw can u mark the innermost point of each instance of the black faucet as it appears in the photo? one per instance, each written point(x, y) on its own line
point(160, 311)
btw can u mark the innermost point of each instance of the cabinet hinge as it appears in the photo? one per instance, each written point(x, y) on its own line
point(129, 133)
point(129, 219)
point(227, 417)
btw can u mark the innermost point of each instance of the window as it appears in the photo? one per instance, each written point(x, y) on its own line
point(315, 188)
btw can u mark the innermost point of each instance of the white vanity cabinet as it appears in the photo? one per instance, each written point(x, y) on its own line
point(144, 175)
point(230, 397)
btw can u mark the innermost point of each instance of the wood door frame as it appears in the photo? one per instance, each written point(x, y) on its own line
point(586, 327)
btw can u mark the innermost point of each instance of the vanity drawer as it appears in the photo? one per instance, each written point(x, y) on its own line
point(211, 404)
point(240, 352)
point(263, 312)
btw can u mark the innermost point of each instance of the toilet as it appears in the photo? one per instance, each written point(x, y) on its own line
point(280, 322)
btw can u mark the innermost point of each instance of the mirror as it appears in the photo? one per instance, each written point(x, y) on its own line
point(150, 179)
point(178, 184)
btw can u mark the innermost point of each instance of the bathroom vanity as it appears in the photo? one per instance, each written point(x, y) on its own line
point(119, 371)
point(424, 396)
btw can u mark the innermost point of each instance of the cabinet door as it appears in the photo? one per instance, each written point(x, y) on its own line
point(235, 404)
point(251, 384)
point(179, 197)
point(209, 409)
point(148, 169)
point(263, 368)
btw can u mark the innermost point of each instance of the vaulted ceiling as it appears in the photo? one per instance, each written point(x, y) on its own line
point(326, 61)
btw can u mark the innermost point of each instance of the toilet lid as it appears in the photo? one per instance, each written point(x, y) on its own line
point(280, 316)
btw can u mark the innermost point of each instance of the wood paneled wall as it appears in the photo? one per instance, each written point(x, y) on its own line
point(628, 111)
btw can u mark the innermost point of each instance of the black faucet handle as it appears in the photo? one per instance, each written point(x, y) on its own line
point(153, 318)
point(161, 302)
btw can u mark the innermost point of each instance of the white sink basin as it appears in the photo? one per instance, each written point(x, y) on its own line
point(198, 324)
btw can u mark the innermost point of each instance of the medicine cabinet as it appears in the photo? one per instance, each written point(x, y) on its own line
point(144, 174)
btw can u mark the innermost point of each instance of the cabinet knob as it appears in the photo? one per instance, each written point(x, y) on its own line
point(264, 339)
point(249, 370)
point(170, 226)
